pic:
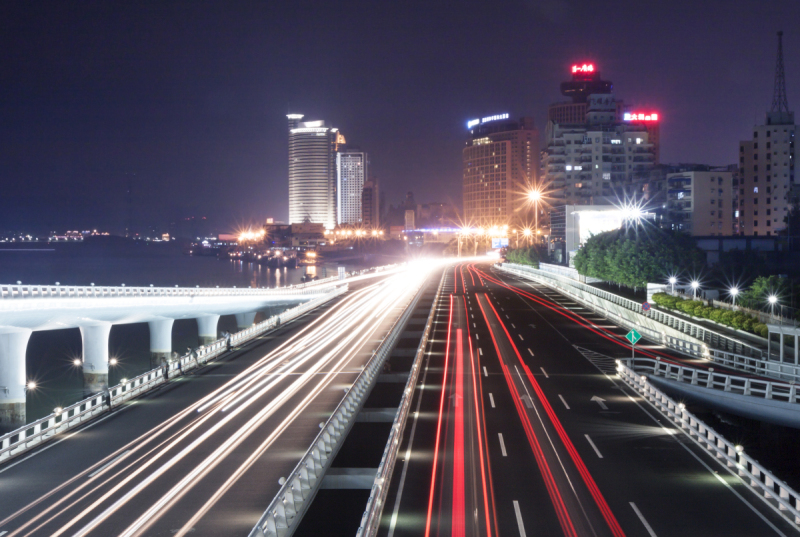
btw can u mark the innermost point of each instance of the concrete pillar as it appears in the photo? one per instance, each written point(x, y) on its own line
point(12, 379)
point(245, 320)
point(160, 341)
point(95, 357)
point(207, 328)
point(781, 347)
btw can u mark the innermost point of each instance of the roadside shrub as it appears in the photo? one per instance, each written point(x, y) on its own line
point(716, 315)
point(738, 320)
point(748, 324)
point(704, 312)
point(727, 318)
point(761, 329)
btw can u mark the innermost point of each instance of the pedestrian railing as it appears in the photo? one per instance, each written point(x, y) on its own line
point(30, 436)
point(371, 519)
point(705, 335)
point(778, 494)
point(755, 387)
point(298, 489)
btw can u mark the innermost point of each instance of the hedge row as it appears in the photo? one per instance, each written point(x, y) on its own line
point(735, 319)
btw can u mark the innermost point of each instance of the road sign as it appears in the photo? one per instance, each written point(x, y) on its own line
point(633, 336)
point(646, 306)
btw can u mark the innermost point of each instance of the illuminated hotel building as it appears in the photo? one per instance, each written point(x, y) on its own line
point(312, 171)
point(767, 168)
point(351, 175)
point(596, 151)
point(501, 160)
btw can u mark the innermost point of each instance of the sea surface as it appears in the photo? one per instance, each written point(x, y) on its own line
point(51, 353)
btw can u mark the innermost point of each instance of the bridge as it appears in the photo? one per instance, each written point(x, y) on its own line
point(466, 400)
point(25, 308)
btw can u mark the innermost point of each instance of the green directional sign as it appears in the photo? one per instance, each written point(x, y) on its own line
point(633, 336)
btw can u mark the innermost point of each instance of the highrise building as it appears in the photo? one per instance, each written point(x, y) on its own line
point(351, 175)
point(370, 205)
point(501, 161)
point(767, 165)
point(700, 201)
point(597, 151)
point(312, 171)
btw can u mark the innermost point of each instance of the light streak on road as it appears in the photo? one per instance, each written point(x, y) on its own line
point(295, 373)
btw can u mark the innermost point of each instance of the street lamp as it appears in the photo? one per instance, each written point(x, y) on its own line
point(527, 232)
point(733, 291)
point(695, 285)
point(772, 299)
point(672, 281)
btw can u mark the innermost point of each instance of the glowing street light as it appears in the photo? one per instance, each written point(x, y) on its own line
point(672, 281)
point(733, 291)
point(772, 299)
point(695, 284)
point(535, 195)
point(31, 385)
point(112, 361)
point(76, 362)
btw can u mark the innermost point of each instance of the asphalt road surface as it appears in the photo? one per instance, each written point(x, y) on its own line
point(522, 429)
point(203, 455)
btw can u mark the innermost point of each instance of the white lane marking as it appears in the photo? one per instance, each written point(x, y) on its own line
point(109, 463)
point(502, 445)
point(476, 336)
point(520, 337)
point(471, 315)
point(506, 315)
point(501, 308)
point(563, 401)
point(593, 446)
point(2, 533)
point(545, 373)
point(480, 351)
point(474, 325)
point(644, 522)
point(520, 525)
point(512, 326)
point(485, 374)
point(491, 399)
point(530, 351)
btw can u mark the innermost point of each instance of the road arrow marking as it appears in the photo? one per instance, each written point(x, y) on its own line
point(527, 400)
point(600, 402)
point(455, 397)
point(532, 325)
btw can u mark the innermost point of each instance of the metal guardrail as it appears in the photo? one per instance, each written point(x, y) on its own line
point(31, 435)
point(284, 513)
point(779, 391)
point(777, 494)
point(371, 519)
point(709, 337)
point(16, 292)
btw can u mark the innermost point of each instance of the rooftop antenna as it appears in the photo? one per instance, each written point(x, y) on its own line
point(779, 102)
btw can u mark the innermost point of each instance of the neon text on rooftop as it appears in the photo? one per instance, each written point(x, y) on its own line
point(471, 123)
point(639, 116)
point(585, 68)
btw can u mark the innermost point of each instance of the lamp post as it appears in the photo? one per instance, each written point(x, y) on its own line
point(672, 281)
point(772, 299)
point(695, 285)
point(535, 195)
point(733, 292)
point(527, 233)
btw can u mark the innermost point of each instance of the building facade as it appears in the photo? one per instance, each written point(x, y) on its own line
point(501, 161)
point(370, 205)
point(312, 171)
point(701, 202)
point(351, 175)
point(768, 182)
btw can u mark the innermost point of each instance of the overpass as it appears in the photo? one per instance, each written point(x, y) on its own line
point(25, 308)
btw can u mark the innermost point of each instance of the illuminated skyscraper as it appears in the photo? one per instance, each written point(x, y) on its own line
point(351, 175)
point(312, 171)
point(500, 164)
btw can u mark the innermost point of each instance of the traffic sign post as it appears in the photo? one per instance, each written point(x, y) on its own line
point(633, 336)
point(646, 306)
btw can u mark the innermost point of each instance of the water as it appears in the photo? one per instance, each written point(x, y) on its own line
point(51, 353)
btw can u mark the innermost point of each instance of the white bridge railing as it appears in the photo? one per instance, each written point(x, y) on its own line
point(299, 488)
point(779, 391)
point(28, 437)
point(776, 493)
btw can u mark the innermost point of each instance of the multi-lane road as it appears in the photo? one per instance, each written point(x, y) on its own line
point(521, 428)
point(203, 455)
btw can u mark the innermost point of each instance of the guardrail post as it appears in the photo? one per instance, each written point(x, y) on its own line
point(770, 484)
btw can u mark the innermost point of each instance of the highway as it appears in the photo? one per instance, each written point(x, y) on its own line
point(521, 428)
point(204, 454)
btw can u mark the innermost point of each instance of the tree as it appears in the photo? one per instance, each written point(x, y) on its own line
point(524, 256)
point(633, 257)
point(762, 287)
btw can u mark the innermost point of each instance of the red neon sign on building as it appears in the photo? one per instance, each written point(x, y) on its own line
point(639, 116)
point(585, 68)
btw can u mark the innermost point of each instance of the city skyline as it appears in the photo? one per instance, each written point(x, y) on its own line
point(204, 134)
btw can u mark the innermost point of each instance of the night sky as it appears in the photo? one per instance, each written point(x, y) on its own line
point(188, 99)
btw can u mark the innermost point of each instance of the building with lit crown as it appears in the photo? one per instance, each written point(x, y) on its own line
point(351, 176)
point(501, 161)
point(312, 171)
